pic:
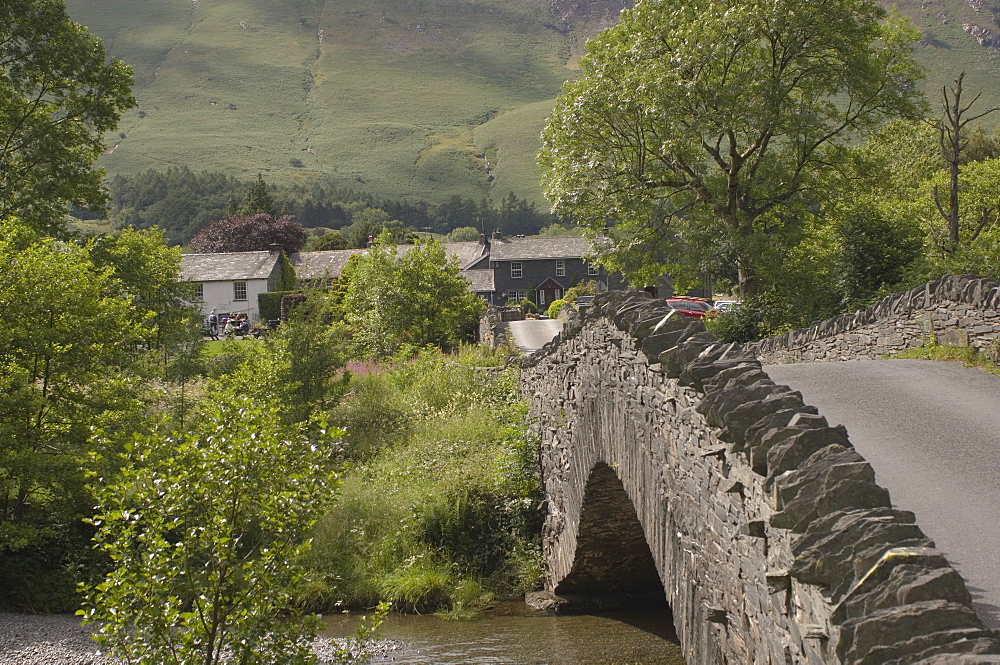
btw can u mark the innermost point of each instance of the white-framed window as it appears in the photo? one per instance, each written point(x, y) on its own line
point(560, 267)
point(558, 294)
point(541, 297)
point(516, 295)
point(516, 270)
point(199, 292)
point(239, 290)
point(593, 269)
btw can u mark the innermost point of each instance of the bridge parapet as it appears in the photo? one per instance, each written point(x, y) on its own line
point(664, 449)
point(959, 310)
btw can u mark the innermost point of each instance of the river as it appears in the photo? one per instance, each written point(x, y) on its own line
point(513, 635)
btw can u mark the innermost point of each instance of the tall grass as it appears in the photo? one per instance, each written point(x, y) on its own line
point(440, 510)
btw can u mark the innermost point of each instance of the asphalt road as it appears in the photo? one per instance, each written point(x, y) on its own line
point(533, 334)
point(931, 431)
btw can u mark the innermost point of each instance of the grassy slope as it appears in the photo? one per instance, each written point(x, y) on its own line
point(382, 95)
point(396, 97)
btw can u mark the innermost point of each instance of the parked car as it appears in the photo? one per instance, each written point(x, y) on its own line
point(726, 305)
point(691, 308)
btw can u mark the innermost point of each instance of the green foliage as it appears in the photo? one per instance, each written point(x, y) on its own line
point(559, 231)
point(706, 130)
point(58, 97)
point(269, 304)
point(440, 511)
point(752, 319)
point(205, 530)
point(413, 298)
point(148, 272)
point(555, 306)
point(258, 199)
point(463, 234)
point(588, 288)
point(65, 339)
point(326, 241)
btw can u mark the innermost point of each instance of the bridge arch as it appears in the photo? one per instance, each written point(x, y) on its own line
point(611, 562)
point(770, 539)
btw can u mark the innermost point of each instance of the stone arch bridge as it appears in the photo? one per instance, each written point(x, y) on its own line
point(675, 469)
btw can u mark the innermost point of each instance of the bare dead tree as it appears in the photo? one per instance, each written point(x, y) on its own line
point(953, 142)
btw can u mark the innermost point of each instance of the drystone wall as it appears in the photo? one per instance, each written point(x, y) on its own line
point(959, 310)
point(671, 459)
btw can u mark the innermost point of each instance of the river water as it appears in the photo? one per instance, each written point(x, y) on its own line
point(513, 635)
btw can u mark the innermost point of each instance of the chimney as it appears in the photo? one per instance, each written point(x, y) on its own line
point(497, 235)
point(482, 238)
point(371, 241)
point(275, 248)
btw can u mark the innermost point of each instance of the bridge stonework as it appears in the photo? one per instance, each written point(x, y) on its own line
point(672, 464)
point(958, 310)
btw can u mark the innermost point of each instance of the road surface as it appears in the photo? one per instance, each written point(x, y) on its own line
point(931, 431)
point(533, 334)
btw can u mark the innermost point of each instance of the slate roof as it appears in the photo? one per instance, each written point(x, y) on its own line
point(321, 265)
point(480, 281)
point(526, 249)
point(227, 266)
point(324, 265)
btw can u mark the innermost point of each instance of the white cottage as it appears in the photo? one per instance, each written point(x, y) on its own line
point(231, 281)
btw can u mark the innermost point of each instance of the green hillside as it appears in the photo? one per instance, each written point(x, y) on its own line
point(406, 99)
point(381, 96)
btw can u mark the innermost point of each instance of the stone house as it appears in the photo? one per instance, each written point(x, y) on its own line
point(541, 269)
point(231, 281)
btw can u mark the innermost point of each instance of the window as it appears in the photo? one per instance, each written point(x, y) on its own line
point(516, 270)
point(593, 270)
point(199, 292)
point(239, 290)
point(541, 297)
point(558, 294)
point(560, 268)
point(516, 296)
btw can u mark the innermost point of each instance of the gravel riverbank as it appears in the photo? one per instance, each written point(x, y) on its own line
point(28, 639)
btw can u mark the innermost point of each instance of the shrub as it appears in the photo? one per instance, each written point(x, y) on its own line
point(555, 306)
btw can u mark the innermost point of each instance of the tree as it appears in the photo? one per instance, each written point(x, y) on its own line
point(327, 241)
point(206, 530)
point(258, 199)
point(954, 140)
point(417, 297)
point(64, 339)
point(463, 234)
point(250, 233)
point(702, 129)
point(58, 96)
point(148, 272)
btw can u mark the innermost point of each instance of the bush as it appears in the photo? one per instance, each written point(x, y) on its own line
point(555, 306)
point(269, 304)
point(440, 512)
point(750, 320)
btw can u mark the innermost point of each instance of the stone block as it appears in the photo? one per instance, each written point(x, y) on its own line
point(779, 419)
point(886, 636)
point(738, 421)
point(790, 453)
point(832, 479)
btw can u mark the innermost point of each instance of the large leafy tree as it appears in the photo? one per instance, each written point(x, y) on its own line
point(702, 129)
point(58, 96)
point(250, 233)
point(416, 297)
point(64, 339)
